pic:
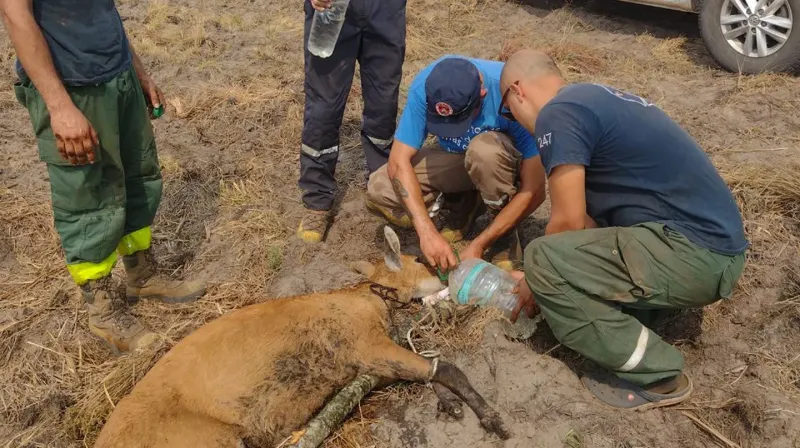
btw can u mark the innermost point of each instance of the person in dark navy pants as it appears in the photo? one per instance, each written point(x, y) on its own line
point(374, 35)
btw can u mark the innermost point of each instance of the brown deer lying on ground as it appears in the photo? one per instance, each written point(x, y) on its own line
point(261, 372)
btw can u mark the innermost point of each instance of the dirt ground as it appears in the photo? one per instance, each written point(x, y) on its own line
point(229, 149)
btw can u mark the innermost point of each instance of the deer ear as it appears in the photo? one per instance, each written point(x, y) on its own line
point(391, 255)
point(364, 268)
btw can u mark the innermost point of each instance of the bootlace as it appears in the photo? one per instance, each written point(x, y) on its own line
point(119, 315)
point(315, 221)
point(151, 263)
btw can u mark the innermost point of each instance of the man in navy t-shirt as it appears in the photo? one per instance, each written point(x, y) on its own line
point(641, 220)
point(479, 155)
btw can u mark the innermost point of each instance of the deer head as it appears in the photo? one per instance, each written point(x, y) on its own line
point(411, 278)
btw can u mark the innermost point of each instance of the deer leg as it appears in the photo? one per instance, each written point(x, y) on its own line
point(454, 379)
point(449, 403)
point(394, 362)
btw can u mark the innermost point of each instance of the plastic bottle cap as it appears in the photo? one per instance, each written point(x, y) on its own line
point(443, 276)
point(158, 111)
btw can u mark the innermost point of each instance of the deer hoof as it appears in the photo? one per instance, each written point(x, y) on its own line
point(451, 407)
point(494, 424)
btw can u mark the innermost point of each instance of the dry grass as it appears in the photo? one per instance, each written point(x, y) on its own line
point(228, 147)
point(769, 197)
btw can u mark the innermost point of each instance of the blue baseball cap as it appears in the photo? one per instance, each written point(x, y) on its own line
point(452, 93)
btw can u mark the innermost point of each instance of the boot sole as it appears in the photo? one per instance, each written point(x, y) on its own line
point(133, 298)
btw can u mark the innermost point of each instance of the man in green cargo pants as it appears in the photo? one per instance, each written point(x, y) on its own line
point(640, 221)
point(88, 97)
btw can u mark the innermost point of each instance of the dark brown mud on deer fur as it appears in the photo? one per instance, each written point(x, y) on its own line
point(314, 367)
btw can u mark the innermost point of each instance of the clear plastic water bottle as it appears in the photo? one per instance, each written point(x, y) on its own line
point(477, 282)
point(325, 28)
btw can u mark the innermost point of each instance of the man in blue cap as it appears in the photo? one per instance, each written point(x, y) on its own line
point(480, 155)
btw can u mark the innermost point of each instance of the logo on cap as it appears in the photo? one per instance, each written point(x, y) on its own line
point(444, 109)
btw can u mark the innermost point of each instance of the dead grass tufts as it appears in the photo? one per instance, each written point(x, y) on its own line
point(672, 57)
point(769, 198)
point(573, 59)
point(106, 384)
point(356, 431)
point(576, 59)
point(567, 22)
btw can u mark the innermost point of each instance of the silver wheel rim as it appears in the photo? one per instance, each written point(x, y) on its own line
point(756, 28)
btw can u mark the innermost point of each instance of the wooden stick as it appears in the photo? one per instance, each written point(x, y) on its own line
point(728, 442)
point(321, 426)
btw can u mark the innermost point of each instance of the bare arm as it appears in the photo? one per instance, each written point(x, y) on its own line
point(568, 200)
point(406, 186)
point(530, 196)
point(75, 136)
point(154, 95)
point(33, 52)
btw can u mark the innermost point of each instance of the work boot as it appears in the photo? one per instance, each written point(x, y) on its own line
point(506, 252)
point(402, 221)
point(313, 226)
point(144, 281)
point(464, 208)
point(109, 317)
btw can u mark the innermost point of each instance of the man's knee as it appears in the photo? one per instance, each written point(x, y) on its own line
point(484, 149)
point(379, 189)
point(382, 199)
point(541, 262)
point(492, 164)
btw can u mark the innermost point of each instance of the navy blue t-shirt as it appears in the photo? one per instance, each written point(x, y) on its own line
point(86, 40)
point(641, 166)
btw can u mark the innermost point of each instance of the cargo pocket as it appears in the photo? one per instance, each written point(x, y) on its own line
point(645, 284)
point(89, 236)
point(598, 267)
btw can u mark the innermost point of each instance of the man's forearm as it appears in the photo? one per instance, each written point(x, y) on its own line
point(138, 66)
point(558, 226)
point(34, 54)
point(521, 205)
point(406, 186)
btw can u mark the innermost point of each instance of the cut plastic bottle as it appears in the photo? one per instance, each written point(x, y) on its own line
point(477, 282)
point(325, 28)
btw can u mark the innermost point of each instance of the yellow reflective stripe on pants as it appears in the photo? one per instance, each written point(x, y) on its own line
point(87, 271)
point(135, 242)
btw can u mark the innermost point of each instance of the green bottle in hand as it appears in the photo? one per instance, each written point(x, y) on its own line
point(156, 112)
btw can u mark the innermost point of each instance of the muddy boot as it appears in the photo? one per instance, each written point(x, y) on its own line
point(401, 220)
point(110, 320)
point(506, 252)
point(464, 208)
point(145, 283)
point(313, 226)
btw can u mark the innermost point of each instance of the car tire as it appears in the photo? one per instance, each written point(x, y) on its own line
point(786, 58)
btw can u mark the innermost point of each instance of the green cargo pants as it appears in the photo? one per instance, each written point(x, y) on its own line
point(585, 282)
point(110, 204)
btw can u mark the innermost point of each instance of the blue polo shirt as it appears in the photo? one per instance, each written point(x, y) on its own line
point(641, 166)
point(86, 40)
point(412, 129)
